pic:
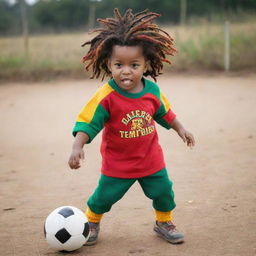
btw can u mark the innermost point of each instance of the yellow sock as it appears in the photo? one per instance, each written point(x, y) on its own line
point(93, 217)
point(163, 216)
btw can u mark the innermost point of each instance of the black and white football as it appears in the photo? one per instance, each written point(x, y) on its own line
point(66, 228)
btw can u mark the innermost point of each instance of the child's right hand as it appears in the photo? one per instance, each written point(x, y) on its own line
point(77, 154)
point(75, 158)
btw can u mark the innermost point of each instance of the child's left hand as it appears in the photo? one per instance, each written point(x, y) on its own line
point(187, 137)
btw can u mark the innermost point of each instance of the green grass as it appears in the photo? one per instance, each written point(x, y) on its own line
point(202, 47)
point(12, 62)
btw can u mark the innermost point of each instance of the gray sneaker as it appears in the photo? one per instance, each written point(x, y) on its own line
point(168, 231)
point(95, 229)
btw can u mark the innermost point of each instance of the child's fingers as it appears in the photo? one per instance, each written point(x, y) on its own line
point(71, 162)
point(75, 163)
point(190, 140)
point(183, 138)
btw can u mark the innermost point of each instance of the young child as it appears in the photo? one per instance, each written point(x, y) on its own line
point(128, 48)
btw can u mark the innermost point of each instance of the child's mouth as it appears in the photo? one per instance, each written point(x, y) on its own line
point(126, 81)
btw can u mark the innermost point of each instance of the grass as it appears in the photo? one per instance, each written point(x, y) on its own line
point(200, 47)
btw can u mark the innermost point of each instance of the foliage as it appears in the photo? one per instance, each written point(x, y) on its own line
point(8, 18)
point(59, 15)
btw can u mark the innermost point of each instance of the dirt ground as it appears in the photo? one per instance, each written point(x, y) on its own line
point(214, 184)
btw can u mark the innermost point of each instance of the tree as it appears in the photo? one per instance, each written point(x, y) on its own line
point(24, 25)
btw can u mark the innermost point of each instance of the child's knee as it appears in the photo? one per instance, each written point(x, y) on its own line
point(165, 190)
point(102, 202)
point(99, 205)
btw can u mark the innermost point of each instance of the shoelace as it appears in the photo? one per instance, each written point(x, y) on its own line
point(169, 226)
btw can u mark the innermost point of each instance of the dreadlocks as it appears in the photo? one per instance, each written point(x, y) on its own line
point(129, 30)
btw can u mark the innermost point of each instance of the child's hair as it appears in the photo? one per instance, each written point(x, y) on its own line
point(129, 30)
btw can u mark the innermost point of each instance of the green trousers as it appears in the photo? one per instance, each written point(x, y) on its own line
point(157, 187)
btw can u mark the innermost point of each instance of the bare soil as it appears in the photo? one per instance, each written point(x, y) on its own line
point(214, 184)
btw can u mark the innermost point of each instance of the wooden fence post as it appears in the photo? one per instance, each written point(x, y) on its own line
point(183, 12)
point(24, 24)
point(226, 46)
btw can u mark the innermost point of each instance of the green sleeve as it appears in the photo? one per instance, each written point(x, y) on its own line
point(159, 117)
point(95, 125)
point(163, 114)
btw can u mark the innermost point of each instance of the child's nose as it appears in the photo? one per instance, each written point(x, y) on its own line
point(126, 70)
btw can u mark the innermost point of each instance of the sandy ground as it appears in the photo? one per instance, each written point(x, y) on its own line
point(214, 183)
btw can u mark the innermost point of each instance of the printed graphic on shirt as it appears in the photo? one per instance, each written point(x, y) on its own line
point(139, 124)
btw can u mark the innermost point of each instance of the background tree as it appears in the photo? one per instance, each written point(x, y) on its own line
point(60, 15)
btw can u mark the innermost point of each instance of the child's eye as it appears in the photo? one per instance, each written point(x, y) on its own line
point(135, 65)
point(118, 65)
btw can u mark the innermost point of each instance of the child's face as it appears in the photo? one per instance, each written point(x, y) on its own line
point(127, 65)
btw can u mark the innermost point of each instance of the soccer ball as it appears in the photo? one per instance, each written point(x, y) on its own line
point(66, 228)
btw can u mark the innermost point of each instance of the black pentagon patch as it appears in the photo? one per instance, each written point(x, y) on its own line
point(86, 229)
point(66, 212)
point(44, 231)
point(62, 235)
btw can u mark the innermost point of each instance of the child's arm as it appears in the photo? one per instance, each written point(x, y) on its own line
point(186, 136)
point(77, 153)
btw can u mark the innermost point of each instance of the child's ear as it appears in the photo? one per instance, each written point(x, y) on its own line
point(146, 66)
point(108, 64)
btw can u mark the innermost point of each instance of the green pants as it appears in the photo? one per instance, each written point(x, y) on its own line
point(157, 187)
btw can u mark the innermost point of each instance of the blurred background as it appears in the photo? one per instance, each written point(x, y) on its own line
point(211, 85)
point(41, 39)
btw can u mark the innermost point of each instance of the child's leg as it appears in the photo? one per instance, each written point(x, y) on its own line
point(92, 216)
point(109, 191)
point(158, 187)
point(163, 216)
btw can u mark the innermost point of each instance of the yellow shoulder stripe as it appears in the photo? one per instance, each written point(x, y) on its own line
point(88, 111)
point(165, 101)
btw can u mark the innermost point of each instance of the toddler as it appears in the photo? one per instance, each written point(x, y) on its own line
point(129, 48)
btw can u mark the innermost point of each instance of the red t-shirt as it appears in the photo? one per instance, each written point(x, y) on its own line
point(130, 147)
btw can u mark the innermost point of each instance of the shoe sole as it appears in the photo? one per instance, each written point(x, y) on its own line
point(90, 243)
point(173, 241)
